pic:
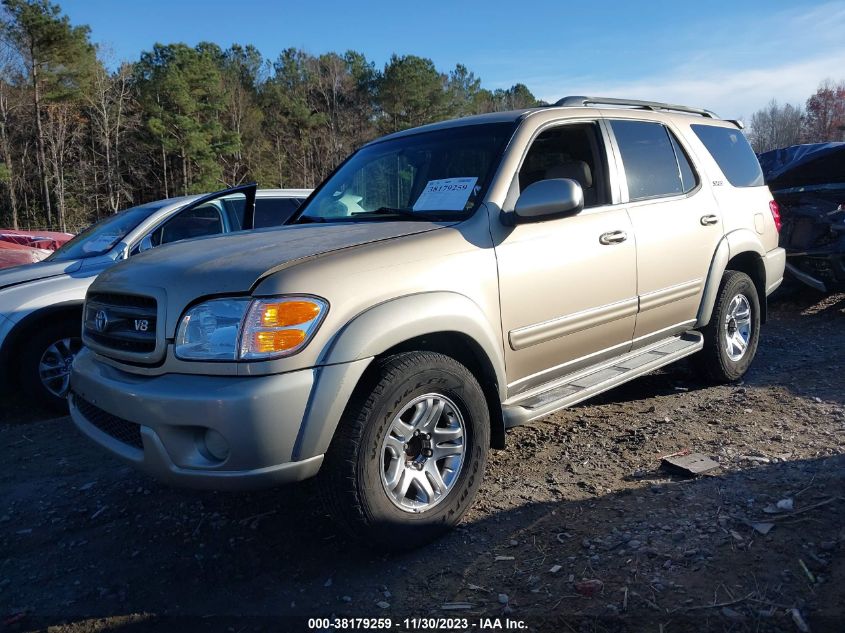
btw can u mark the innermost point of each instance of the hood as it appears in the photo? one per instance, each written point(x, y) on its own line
point(33, 272)
point(807, 165)
point(234, 263)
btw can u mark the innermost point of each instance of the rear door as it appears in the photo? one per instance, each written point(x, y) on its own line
point(677, 223)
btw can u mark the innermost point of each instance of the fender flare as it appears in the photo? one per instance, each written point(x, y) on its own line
point(731, 245)
point(374, 331)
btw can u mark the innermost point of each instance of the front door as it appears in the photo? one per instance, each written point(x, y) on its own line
point(568, 285)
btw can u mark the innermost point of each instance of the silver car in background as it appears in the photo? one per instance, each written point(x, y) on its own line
point(41, 303)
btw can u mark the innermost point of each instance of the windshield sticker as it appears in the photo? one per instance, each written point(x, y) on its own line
point(447, 194)
point(100, 243)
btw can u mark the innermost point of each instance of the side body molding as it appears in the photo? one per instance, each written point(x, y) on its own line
point(734, 243)
point(376, 330)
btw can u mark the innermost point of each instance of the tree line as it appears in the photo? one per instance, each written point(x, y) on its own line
point(80, 140)
point(821, 119)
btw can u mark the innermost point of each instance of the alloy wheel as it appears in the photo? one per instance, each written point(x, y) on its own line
point(54, 366)
point(423, 452)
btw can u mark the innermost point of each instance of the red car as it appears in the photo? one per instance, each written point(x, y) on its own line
point(28, 247)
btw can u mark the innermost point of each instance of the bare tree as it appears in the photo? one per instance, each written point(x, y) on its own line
point(6, 108)
point(108, 102)
point(775, 126)
point(61, 129)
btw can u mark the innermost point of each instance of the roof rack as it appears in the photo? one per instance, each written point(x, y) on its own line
point(633, 103)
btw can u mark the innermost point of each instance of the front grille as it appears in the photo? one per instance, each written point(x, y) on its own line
point(125, 323)
point(118, 428)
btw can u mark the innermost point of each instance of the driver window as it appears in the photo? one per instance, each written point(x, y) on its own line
point(569, 151)
point(200, 221)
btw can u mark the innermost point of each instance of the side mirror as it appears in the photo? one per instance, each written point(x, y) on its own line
point(145, 244)
point(547, 198)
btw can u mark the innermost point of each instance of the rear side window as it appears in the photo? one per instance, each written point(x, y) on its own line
point(655, 164)
point(732, 153)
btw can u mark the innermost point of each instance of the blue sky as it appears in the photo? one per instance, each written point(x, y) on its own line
point(730, 57)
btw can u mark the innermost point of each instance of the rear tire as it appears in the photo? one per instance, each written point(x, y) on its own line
point(394, 488)
point(45, 357)
point(731, 337)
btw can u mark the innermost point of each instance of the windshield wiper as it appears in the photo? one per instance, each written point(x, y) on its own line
point(308, 219)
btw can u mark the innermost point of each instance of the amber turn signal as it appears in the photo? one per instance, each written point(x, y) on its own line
point(287, 313)
point(268, 341)
point(275, 327)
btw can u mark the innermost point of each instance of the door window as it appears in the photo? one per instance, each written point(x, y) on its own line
point(213, 214)
point(655, 164)
point(572, 151)
point(274, 211)
point(199, 221)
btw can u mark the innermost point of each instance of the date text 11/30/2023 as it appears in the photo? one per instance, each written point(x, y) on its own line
point(418, 624)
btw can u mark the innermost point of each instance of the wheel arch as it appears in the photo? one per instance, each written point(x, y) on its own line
point(469, 353)
point(446, 322)
point(741, 251)
point(13, 341)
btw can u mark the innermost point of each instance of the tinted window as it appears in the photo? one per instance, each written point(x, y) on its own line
point(732, 153)
point(274, 211)
point(649, 159)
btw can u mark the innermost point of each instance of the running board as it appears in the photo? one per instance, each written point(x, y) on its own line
point(575, 388)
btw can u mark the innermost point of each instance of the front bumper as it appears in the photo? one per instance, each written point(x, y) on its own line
point(159, 423)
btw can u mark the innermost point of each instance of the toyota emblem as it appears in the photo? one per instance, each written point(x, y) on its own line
point(101, 320)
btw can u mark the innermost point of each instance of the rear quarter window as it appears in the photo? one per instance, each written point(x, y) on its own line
point(731, 151)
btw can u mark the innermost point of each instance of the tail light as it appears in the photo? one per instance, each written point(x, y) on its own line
point(775, 209)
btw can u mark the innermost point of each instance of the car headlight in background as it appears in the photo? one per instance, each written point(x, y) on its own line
point(248, 329)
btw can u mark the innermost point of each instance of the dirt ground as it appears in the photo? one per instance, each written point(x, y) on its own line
point(576, 527)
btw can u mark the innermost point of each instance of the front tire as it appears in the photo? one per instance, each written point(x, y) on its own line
point(409, 454)
point(45, 360)
point(731, 337)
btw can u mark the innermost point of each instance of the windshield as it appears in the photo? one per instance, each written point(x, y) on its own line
point(102, 236)
point(440, 175)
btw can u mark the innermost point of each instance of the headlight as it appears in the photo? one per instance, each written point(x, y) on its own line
point(259, 329)
point(209, 331)
point(280, 326)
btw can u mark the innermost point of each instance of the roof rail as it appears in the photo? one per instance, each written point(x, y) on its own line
point(633, 103)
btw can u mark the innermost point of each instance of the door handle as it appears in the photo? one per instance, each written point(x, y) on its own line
point(613, 237)
point(709, 219)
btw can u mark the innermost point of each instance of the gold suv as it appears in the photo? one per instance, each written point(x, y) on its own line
point(443, 284)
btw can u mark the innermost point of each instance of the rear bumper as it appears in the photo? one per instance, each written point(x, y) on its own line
point(775, 262)
point(160, 423)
